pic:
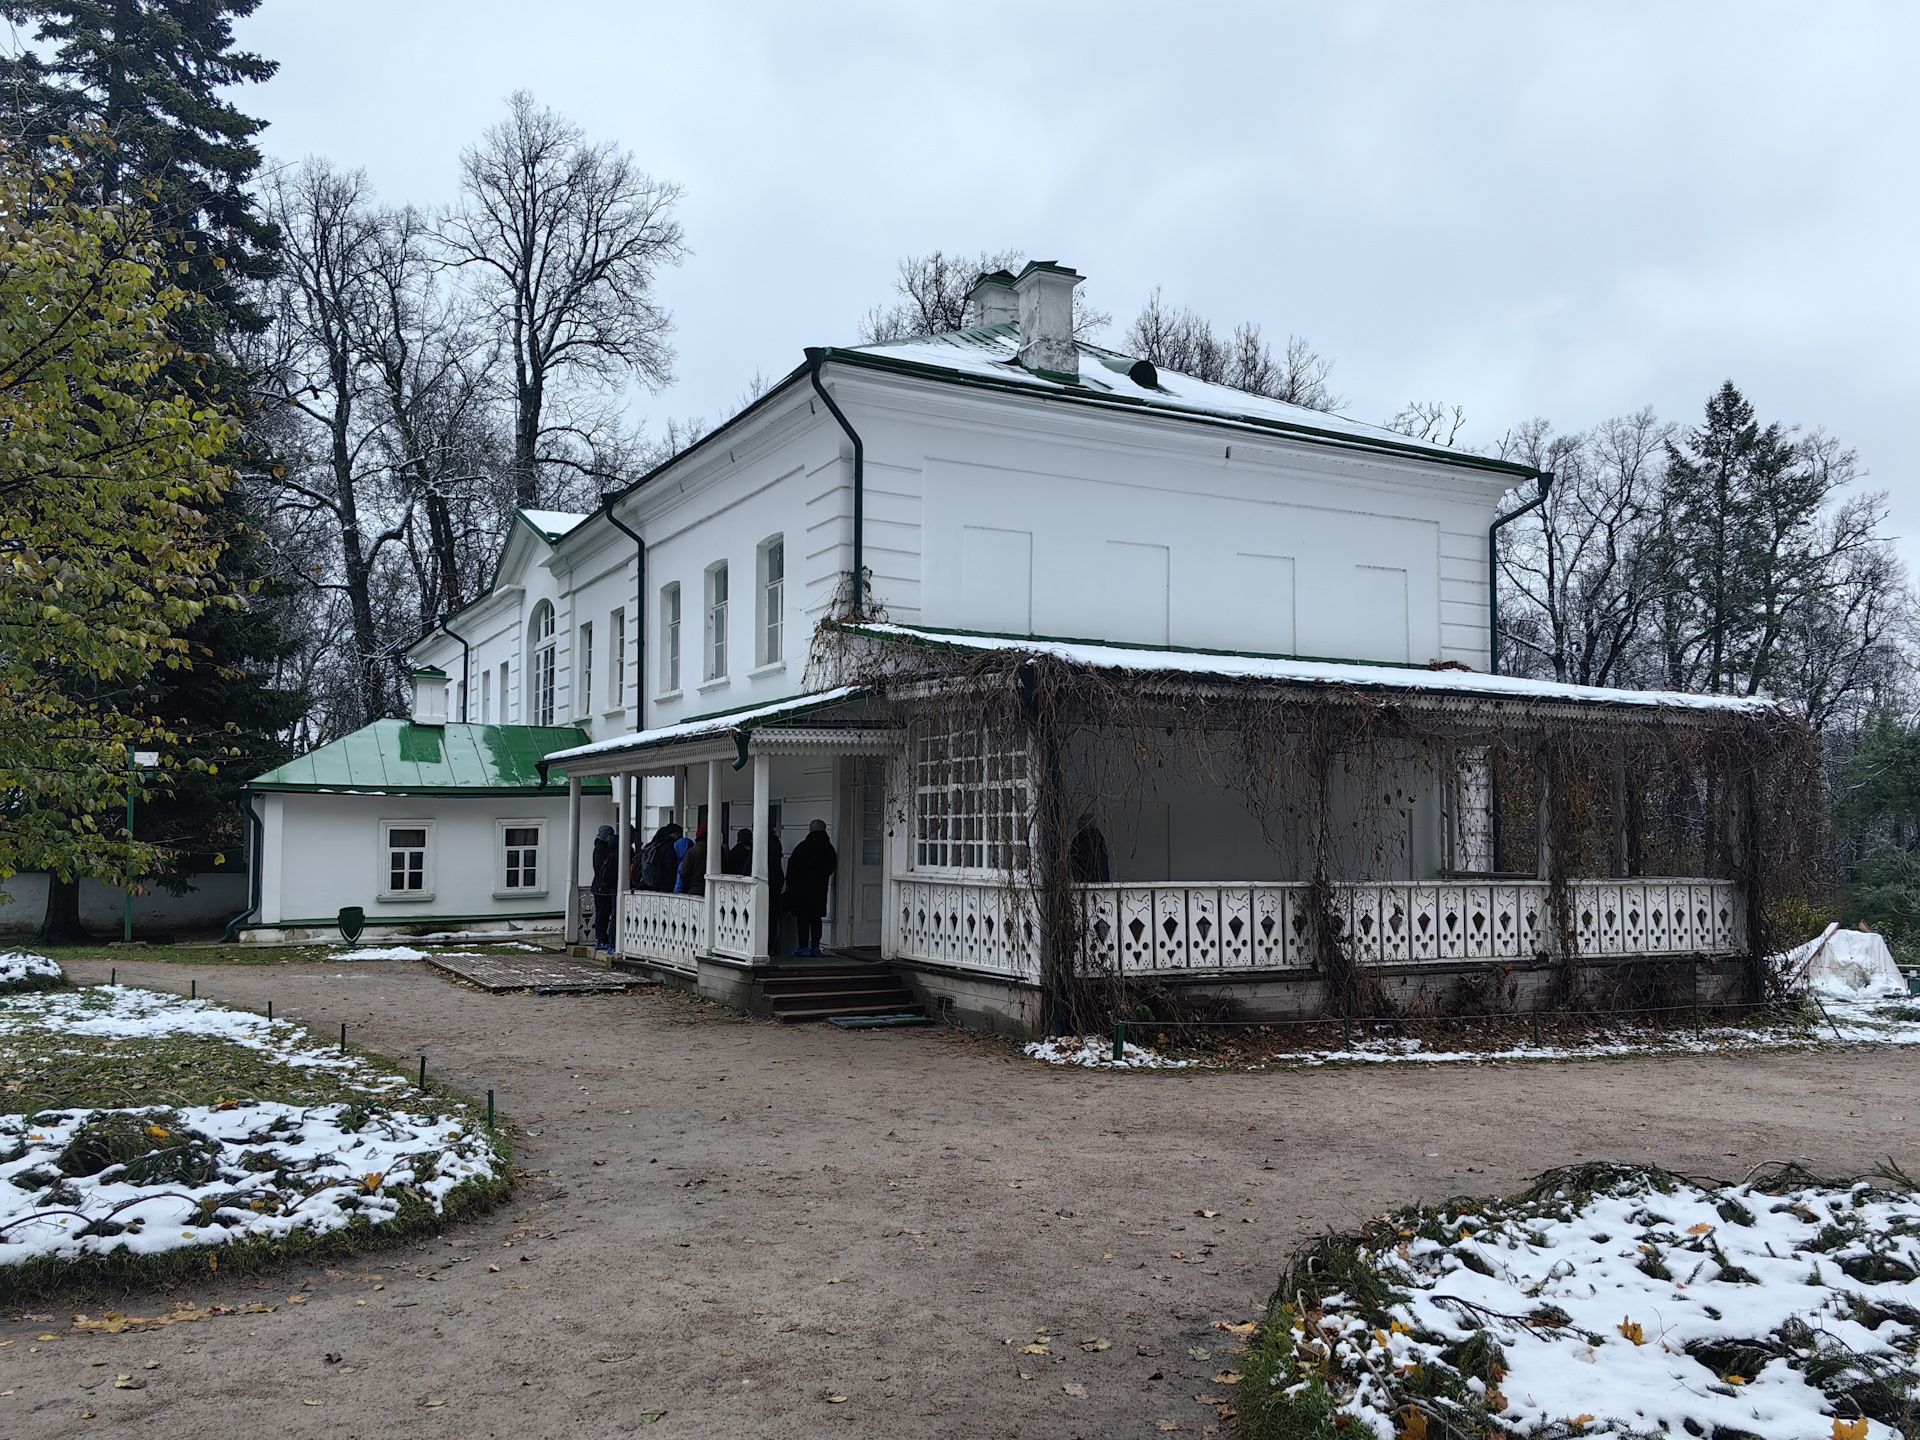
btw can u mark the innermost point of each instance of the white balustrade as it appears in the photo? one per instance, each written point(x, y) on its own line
point(1145, 929)
point(984, 925)
point(664, 929)
point(736, 916)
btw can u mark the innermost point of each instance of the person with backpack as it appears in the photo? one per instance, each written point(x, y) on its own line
point(658, 863)
point(810, 869)
point(606, 865)
point(693, 866)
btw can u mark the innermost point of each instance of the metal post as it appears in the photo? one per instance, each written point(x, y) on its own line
point(1119, 1041)
point(269, 1012)
point(132, 768)
point(571, 932)
point(194, 993)
point(343, 1037)
point(423, 1072)
point(489, 1109)
point(1346, 1034)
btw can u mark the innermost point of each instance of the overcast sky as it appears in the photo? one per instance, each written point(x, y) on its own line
point(1525, 209)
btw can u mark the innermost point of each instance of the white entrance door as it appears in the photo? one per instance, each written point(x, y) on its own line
point(866, 846)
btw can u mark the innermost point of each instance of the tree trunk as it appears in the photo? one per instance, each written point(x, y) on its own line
point(62, 923)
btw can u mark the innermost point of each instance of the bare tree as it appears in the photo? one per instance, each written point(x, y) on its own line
point(933, 298)
point(1432, 421)
point(1185, 343)
point(568, 237)
point(314, 387)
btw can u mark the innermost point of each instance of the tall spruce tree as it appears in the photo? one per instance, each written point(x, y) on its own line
point(145, 76)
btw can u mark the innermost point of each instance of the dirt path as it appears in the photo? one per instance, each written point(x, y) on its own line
point(731, 1221)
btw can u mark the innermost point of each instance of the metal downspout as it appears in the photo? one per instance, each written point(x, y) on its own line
point(816, 358)
point(259, 856)
point(639, 621)
point(466, 667)
point(1493, 570)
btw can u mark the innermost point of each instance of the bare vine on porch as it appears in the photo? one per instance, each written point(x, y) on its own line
point(1577, 790)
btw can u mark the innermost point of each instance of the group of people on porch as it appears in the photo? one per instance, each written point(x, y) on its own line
point(675, 863)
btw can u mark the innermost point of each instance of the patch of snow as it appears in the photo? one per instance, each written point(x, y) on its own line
point(18, 965)
point(270, 1168)
point(273, 1169)
point(394, 952)
point(1096, 1052)
point(1637, 1276)
point(1845, 965)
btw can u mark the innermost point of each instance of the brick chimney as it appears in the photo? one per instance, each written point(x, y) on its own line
point(1045, 291)
point(992, 300)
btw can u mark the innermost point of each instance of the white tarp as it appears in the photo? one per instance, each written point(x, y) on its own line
point(1847, 965)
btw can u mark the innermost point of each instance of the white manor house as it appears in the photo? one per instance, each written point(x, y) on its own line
point(697, 649)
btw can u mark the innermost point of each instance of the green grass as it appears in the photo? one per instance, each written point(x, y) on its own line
point(214, 953)
point(52, 1070)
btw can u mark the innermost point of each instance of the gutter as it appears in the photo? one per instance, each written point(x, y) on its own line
point(466, 666)
point(259, 854)
point(639, 619)
point(816, 359)
point(1493, 569)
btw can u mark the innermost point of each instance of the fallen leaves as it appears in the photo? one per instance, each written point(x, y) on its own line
point(1701, 1229)
point(1094, 1346)
point(1632, 1330)
point(127, 1382)
point(1228, 1377)
point(1035, 1350)
point(836, 1399)
point(1246, 1331)
point(1850, 1429)
point(1207, 1214)
point(1414, 1427)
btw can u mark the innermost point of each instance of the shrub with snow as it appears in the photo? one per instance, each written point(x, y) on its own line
point(22, 970)
point(1607, 1301)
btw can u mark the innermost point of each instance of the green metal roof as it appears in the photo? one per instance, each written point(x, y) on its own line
point(400, 757)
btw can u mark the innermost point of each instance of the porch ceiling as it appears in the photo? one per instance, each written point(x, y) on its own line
point(732, 736)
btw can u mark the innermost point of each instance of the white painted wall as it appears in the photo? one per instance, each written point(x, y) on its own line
point(326, 851)
point(214, 899)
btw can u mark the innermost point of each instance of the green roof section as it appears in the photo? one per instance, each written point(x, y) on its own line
point(400, 757)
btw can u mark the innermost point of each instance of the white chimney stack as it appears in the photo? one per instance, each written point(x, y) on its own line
point(992, 300)
point(1045, 291)
point(430, 697)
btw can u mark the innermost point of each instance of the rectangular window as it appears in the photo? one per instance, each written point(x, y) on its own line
point(617, 659)
point(584, 702)
point(486, 697)
point(505, 718)
point(773, 587)
point(523, 857)
point(970, 802)
point(406, 847)
point(670, 639)
point(717, 622)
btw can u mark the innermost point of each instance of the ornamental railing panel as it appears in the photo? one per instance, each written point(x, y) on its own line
point(664, 929)
point(983, 925)
point(1269, 926)
point(735, 931)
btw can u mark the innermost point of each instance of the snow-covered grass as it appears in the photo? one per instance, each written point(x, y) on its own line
point(143, 1129)
point(23, 970)
point(1860, 1022)
point(1605, 1301)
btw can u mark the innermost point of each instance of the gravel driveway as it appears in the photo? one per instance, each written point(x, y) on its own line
point(727, 1223)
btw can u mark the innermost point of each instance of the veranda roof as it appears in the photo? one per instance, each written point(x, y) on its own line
point(399, 757)
point(709, 727)
point(1231, 665)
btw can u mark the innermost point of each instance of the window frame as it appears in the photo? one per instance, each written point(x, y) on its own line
point(582, 697)
point(770, 629)
point(540, 678)
point(971, 803)
point(543, 860)
point(617, 658)
point(383, 862)
point(486, 694)
point(670, 624)
point(714, 655)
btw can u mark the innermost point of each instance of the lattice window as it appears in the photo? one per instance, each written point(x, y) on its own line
point(970, 802)
point(522, 856)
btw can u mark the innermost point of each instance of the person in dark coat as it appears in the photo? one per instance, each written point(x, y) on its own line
point(693, 866)
point(739, 857)
point(658, 862)
point(606, 864)
point(809, 871)
point(1087, 856)
point(776, 887)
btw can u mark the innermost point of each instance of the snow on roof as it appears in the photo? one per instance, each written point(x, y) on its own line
point(1227, 665)
point(990, 352)
point(707, 727)
point(552, 523)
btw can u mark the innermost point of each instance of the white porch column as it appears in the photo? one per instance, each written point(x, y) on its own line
point(571, 933)
point(716, 844)
point(762, 894)
point(620, 864)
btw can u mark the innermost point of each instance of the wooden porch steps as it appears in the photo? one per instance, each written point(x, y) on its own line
point(795, 991)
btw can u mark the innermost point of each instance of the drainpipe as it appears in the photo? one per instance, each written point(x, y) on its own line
point(816, 358)
point(259, 853)
point(466, 667)
point(1493, 569)
point(639, 621)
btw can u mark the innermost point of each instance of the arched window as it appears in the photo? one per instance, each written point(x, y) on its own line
point(540, 671)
